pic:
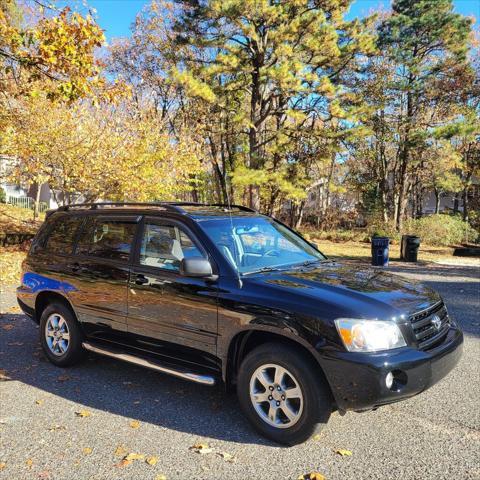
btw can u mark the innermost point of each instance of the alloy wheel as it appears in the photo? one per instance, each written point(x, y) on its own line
point(57, 334)
point(276, 396)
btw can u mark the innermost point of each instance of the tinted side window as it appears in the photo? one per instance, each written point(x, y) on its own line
point(60, 236)
point(106, 238)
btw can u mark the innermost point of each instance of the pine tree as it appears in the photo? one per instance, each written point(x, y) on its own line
point(287, 58)
point(426, 40)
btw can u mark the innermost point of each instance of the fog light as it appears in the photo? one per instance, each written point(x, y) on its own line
point(389, 380)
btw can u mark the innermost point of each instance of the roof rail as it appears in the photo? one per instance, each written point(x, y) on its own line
point(172, 206)
point(224, 205)
point(95, 206)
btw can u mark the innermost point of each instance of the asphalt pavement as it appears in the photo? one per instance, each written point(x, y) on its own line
point(82, 422)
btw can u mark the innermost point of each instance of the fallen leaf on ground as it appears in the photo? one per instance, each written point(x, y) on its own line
point(312, 476)
point(128, 459)
point(120, 451)
point(344, 453)
point(152, 460)
point(2, 465)
point(63, 378)
point(87, 451)
point(201, 448)
point(135, 424)
point(3, 375)
point(39, 402)
point(55, 428)
point(317, 437)
point(161, 477)
point(226, 456)
point(83, 413)
point(135, 456)
point(7, 327)
point(29, 463)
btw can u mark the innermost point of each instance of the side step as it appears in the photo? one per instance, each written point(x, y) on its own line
point(126, 357)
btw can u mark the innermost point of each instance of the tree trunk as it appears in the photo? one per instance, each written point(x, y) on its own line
point(465, 204)
point(437, 200)
point(301, 209)
point(405, 158)
point(255, 128)
point(419, 211)
point(36, 206)
point(383, 185)
point(455, 203)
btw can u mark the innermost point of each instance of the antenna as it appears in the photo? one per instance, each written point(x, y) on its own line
point(235, 248)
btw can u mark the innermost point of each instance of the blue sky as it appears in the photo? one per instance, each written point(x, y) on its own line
point(116, 16)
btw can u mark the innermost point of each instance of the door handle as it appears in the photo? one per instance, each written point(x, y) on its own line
point(141, 280)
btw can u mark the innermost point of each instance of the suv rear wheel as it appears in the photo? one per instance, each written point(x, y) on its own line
point(282, 395)
point(61, 336)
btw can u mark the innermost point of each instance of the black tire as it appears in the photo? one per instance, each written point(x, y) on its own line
point(317, 400)
point(74, 352)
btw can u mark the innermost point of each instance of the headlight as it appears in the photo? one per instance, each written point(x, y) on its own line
point(369, 335)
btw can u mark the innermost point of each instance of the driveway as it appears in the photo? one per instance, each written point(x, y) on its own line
point(79, 423)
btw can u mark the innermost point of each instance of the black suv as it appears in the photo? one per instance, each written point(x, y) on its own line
point(221, 293)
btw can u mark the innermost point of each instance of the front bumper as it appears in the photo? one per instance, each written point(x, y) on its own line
point(358, 382)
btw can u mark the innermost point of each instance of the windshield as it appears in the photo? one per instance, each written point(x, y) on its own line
point(253, 244)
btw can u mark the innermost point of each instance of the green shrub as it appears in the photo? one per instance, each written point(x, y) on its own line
point(383, 230)
point(441, 229)
point(3, 196)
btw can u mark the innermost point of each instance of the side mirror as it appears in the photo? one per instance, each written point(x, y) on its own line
point(197, 267)
point(314, 245)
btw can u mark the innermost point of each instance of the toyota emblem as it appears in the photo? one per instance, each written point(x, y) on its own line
point(436, 322)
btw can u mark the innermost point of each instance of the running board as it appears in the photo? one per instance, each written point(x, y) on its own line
point(126, 357)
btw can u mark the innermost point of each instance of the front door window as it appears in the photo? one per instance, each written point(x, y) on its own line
point(165, 246)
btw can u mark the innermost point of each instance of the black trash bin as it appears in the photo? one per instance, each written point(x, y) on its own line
point(409, 248)
point(380, 250)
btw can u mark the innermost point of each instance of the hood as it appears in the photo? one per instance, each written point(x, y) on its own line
point(356, 290)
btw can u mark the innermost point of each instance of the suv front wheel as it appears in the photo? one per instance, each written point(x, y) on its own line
point(61, 336)
point(282, 395)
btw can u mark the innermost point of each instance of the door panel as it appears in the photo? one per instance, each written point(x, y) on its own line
point(100, 294)
point(99, 273)
point(164, 306)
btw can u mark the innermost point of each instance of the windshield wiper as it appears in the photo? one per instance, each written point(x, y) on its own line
point(311, 262)
point(263, 269)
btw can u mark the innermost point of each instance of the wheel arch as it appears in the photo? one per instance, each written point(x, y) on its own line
point(245, 341)
point(45, 298)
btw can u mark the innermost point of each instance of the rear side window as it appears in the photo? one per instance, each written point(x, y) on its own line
point(107, 238)
point(60, 237)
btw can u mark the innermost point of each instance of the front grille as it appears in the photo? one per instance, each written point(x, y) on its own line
point(428, 331)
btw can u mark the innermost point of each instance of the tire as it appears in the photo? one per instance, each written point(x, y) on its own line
point(308, 411)
point(58, 350)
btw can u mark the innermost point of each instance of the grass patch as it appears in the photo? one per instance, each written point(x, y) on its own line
point(11, 259)
point(18, 220)
point(15, 220)
point(362, 251)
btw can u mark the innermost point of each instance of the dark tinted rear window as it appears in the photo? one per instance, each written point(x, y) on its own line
point(60, 236)
point(107, 238)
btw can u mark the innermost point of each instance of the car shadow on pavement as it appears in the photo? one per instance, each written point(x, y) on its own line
point(122, 389)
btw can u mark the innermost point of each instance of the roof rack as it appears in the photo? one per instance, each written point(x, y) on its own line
point(171, 206)
point(220, 205)
point(96, 206)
